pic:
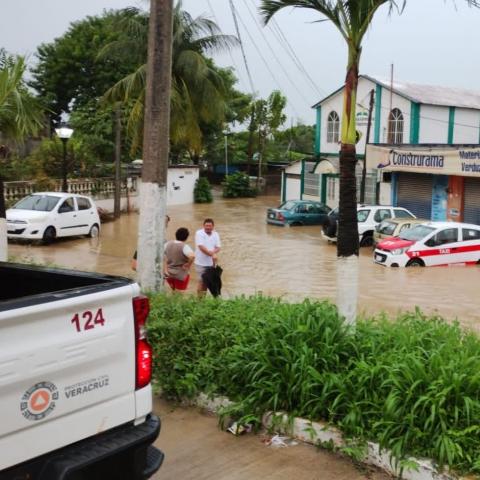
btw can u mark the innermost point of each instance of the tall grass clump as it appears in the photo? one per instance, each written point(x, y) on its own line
point(412, 385)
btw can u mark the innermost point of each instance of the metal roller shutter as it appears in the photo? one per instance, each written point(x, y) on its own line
point(471, 209)
point(414, 192)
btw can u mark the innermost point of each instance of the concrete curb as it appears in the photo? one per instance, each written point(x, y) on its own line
point(321, 433)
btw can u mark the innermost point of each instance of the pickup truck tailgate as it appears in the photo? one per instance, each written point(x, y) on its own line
point(67, 371)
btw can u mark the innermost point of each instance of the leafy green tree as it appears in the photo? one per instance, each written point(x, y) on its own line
point(70, 73)
point(202, 192)
point(93, 124)
point(198, 89)
point(238, 185)
point(296, 139)
point(269, 116)
point(21, 114)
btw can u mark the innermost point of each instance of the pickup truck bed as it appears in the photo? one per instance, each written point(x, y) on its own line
point(23, 285)
point(75, 371)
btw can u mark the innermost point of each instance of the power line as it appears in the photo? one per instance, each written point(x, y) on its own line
point(282, 39)
point(229, 51)
point(274, 54)
point(232, 8)
point(262, 57)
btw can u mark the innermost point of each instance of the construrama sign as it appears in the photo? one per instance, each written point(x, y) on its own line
point(464, 162)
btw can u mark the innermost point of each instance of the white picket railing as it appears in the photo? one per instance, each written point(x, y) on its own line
point(98, 188)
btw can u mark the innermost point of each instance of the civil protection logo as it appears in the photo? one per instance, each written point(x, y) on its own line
point(39, 401)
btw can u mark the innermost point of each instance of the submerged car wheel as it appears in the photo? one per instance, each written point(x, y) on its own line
point(367, 240)
point(415, 262)
point(330, 227)
point(49, 235)
point(94, 231)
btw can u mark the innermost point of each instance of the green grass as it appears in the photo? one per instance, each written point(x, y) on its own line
point(412, 385)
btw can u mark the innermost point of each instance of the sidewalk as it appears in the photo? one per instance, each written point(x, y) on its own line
point(195, 448)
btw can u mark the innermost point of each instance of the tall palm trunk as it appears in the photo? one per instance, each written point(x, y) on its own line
point(153, 193)
point(347, 235)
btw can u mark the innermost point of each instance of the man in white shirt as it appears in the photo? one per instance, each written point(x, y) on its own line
point(207, 243)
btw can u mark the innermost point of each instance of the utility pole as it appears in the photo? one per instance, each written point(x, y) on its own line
point(153, 192)
point(118, 154)
point(251, 133)
point(225, 133)
point(367, 139)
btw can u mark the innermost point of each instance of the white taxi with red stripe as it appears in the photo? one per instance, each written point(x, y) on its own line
point(431, 244)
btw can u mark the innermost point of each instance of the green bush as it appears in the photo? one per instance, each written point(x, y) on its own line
point(412, 385)
point(238, 185)
point(202, 192)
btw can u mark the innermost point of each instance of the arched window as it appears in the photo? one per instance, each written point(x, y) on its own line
point(395, 126)
point(333, 127)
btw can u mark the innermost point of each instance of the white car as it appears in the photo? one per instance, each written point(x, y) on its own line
point(432, 243)
point(47, 215)
point(368, 217)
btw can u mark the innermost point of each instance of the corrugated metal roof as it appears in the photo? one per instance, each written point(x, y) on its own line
point(426, 94)
point(433, 94)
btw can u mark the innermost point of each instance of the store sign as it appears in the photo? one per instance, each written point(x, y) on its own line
point(463, 162)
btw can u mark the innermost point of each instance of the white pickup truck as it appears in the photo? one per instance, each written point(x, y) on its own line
point(75, 371)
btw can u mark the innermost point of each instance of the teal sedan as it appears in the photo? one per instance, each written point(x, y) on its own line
point(298, 212)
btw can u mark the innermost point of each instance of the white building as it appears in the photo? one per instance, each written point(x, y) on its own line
point(419, 117)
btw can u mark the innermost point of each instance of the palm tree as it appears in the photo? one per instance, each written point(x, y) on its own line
point(20, 115)
point(352, 18)
point(198, 93)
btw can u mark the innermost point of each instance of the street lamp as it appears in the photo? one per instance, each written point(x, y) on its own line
point(64, 133)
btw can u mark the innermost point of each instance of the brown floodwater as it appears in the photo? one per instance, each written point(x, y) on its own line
point(292, 263)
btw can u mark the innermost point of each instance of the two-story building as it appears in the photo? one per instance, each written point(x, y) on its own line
point(408, 120)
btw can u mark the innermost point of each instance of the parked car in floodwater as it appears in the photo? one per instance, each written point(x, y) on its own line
point(393, 227)
point(431, 244)
point(48, 215)
point(368, 217)
point(298, 212)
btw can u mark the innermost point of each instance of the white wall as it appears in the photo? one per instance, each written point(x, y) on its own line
point(403, 105)
point(180, 185)
point(385, 197)
point(433, 124)
point(467, 123)
point(293, 189)
point(363, 98)
point(295, 167)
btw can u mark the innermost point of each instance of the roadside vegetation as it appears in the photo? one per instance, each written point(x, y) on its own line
point(412, 385)
point(238, 185)
point(202, 193)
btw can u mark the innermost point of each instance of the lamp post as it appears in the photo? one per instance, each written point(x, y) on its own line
point(64, 133)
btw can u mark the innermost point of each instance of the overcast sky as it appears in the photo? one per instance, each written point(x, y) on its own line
point(432, 42)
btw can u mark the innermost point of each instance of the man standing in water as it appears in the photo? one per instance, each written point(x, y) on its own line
point(207, 243)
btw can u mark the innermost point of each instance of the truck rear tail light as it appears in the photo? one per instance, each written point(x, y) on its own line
point(280, 217)
point(143, 350)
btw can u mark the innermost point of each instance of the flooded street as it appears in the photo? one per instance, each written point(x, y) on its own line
point(292, 263)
